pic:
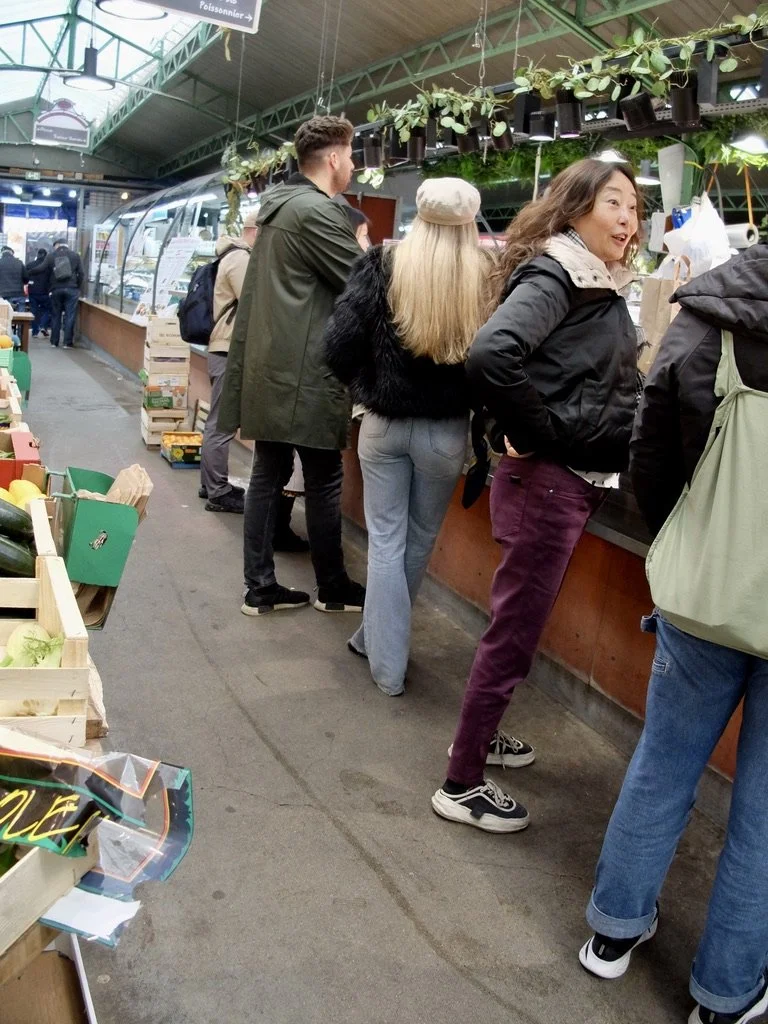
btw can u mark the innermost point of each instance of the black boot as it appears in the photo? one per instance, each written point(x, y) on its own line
point(285, 539)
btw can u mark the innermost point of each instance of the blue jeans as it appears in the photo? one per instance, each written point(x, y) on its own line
point(410, 468)
point(694, 689)
point(40, 306)
point(64, 300)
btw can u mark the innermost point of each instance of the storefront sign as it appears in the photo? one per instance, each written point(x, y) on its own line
point(241, 14)
point(62, 126)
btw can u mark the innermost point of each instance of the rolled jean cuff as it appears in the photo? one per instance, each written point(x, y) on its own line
point(617, 927)
point(723, 1004)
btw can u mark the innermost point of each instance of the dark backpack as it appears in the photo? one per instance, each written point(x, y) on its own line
point(62, 268)
point(195, 312)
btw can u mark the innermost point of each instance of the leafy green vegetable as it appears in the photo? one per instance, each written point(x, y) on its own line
point(31, 646)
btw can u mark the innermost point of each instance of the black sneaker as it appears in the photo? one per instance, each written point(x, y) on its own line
point(485, 806)
point(229, 502)
point(756, 1009)
point(346, 596)
point(273, 599)
point(360, 654)
point(609, 958)
point(507, 751)
point(289, 542)
point(203, 491)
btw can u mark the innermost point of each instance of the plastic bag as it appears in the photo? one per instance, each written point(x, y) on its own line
point(703, 238)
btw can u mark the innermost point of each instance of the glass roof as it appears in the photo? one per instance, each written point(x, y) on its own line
point(31, 42)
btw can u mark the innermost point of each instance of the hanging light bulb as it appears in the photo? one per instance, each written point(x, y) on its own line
point(131, 10)
point(89, 79)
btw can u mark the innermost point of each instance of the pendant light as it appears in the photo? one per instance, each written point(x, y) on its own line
point(131, 10)
point(568, 115)
point(646, 177)
point(89, 79)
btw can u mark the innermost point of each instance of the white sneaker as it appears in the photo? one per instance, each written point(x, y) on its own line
point(485, 806)
point(506, 751)
point(610, 959)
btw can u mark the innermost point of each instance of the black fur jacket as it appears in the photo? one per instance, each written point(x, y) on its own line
point(363, 350)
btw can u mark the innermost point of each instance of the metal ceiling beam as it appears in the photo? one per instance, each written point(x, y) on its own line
point(188, 50)
point(68, 27)
point(420, 64)
point(9, 120)
point(574, 25)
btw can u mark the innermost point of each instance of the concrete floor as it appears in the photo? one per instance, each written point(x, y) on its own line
point(320, 887)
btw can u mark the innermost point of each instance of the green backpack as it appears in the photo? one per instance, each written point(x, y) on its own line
point(708, 567)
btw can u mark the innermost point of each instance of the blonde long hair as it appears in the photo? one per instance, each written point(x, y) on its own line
point(439, 290)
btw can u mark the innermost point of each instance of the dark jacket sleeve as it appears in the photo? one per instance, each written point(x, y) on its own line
point(674, 417)
point(496, 364)
point(79, 272)
point(350, 329)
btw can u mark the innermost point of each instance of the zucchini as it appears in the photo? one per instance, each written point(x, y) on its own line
point(15, 559)
point(15, 522)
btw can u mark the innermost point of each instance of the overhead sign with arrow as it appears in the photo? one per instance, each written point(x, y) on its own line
point(240, 14)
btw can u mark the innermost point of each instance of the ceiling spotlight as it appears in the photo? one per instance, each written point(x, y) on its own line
point(645, 177)
point(568, 115)
point(72, 193)
point(753, 144)
point(131, 10)
point(46, 192)
point(542, 126)
point(610, 156)
point(124, 195)
point(17, 189)
point(89, 79)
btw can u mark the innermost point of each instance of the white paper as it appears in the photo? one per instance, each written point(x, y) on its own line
point(89, 914)
point(658, 228)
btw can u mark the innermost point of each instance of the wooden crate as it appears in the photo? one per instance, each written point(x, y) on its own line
point(9, 392)
point(33, 885)
point(51, 703)
point(202, 412)
point(41, 510)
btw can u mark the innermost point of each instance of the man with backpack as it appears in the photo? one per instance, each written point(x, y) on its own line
point(228, 274)
point(64, 270)
point(699, 466)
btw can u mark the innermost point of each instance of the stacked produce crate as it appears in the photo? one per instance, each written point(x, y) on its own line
point(166, 380)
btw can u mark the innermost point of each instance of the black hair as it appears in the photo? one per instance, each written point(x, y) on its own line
point(357, 217)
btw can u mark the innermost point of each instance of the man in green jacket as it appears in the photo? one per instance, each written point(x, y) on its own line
point(278, 389)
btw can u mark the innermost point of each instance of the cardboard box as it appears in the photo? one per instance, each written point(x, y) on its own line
point(164, 330)
point(165, 398)
point(25, 451)
point(182, 448)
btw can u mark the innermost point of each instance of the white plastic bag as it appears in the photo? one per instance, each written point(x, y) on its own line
point(703, 238)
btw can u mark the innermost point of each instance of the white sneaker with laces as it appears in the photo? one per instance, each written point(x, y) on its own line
point(485, 806)
point(507, 752)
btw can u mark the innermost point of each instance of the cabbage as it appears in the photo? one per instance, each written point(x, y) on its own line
point(31, 646)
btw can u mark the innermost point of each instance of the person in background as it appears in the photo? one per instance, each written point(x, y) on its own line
point(400, 348)
point(39, 299)
point(64, 270)
point(555, 366)
point(701, 433)
point(278, 389)
point(233, 253)
point(13, 277)
point(360, 225)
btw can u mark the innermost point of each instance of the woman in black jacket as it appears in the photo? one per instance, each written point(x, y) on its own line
point(398, 337)
point(555, 366)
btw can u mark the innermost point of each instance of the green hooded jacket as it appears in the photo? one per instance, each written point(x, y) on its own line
point(278, 386)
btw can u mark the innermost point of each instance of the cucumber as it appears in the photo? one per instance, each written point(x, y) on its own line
point(15, 522)
point(15, 559)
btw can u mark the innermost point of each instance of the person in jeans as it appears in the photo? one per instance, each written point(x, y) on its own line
point(233, 253)
point(702, 432)
point(13, 277)
point(555, 366)
point(400, 347)
point(64, 270)
point(278, 389)
point(39, 300)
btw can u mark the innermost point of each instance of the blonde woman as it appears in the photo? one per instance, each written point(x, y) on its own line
point(398, 338)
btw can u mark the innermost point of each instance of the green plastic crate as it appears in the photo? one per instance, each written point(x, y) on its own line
point(6, 359)
point(97, 535)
